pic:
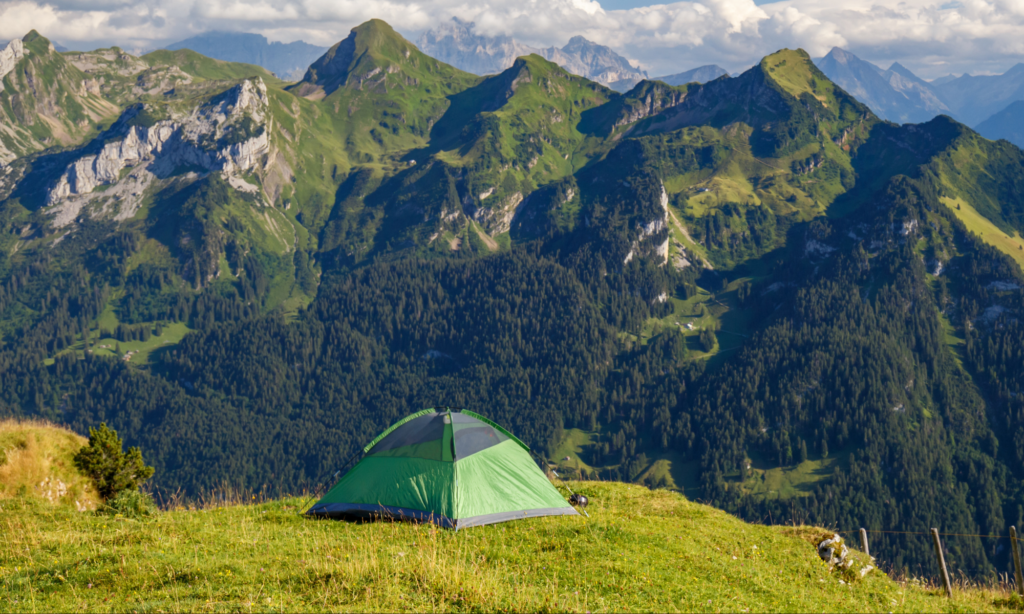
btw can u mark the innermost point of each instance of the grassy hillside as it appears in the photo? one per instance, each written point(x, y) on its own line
point(639, 550)
point(36, 465)
point(45, 103)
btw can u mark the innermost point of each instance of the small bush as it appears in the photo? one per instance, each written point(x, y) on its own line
point(104, 460)
point(129, 504)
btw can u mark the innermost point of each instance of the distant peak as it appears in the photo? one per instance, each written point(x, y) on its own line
point(34, 36)
point(374, 40)
point(839, 51)
point(902, 70)
point(374, 26)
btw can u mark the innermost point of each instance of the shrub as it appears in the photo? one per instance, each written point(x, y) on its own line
point(104, 460)
point(129, 503)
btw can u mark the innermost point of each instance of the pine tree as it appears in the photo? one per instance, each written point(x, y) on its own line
point(104, 460)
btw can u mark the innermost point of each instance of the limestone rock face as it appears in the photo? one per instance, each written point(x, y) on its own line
point(229, 134)
point(656, 101)
point(9, 56)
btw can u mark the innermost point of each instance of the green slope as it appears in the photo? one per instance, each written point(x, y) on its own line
point(44, 104)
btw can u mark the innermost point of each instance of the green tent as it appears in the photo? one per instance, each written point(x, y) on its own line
point(456, 469)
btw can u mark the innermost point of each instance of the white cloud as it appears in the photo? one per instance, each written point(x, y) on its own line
point(931, 36)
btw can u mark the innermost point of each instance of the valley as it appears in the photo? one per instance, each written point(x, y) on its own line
point(752, 290)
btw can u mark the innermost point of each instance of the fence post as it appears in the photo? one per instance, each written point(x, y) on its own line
point(864, 542)
point(942, 562)
point(1016, 561)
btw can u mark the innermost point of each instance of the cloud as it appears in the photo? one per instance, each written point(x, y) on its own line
point(931, 36)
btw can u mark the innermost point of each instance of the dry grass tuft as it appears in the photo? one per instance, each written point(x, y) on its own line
point(36, 461)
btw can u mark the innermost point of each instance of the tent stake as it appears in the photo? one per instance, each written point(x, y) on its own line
point(569, 489)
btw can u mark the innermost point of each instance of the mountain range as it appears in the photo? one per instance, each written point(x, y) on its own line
point(895, 94)
point(458, 44)
point(752, 290)
point(288, 61)
point(701, 74)
point(898, 95)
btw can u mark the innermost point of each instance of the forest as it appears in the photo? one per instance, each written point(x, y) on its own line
point(716, 288)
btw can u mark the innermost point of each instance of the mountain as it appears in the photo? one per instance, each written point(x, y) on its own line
point(701, 74)
point(753, 290)
point(974, 99)
point(595, 62)
point(942, 80)
point(1006, 124)
point(457, 44)
point(286, 60)
point(48, 102)
point(895, 94)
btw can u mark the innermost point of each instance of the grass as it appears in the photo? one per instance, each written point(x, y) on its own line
point(171, 334)
point(574, 442)
point(1012, 246)
point(36, 462)
point(640, 550)
point(723, 313)
point(797, 480)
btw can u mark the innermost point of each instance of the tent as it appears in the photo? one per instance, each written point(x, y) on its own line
point(455, 469)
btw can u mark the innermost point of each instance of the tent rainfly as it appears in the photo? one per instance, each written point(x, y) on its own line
point(455, 469)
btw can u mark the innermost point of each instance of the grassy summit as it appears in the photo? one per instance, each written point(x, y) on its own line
point(639, 550)
point(36, 462)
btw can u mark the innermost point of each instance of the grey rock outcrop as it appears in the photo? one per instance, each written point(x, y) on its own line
point(656, 100)
point(229, 134)
point(9, 57)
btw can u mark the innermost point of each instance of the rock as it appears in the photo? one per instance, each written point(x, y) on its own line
point(833, 551)
point(9, 57)
point(52, 489)
point(230, 134)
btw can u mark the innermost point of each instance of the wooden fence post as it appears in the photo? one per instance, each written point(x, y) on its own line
point(942, 562)
point(1016, 561)
point(864, 542)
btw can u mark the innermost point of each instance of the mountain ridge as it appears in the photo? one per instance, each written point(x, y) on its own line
point(457, 44)
point(295, 256)
point(286, 60)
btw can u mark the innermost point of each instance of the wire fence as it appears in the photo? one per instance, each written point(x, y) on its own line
point(952, 576)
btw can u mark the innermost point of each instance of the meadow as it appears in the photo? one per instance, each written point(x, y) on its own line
point(640, 550)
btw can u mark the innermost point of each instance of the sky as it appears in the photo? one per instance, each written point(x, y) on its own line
point(931, 37)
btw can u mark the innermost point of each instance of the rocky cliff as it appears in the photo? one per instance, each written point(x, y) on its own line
point(9, 56)
point(228, 134)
